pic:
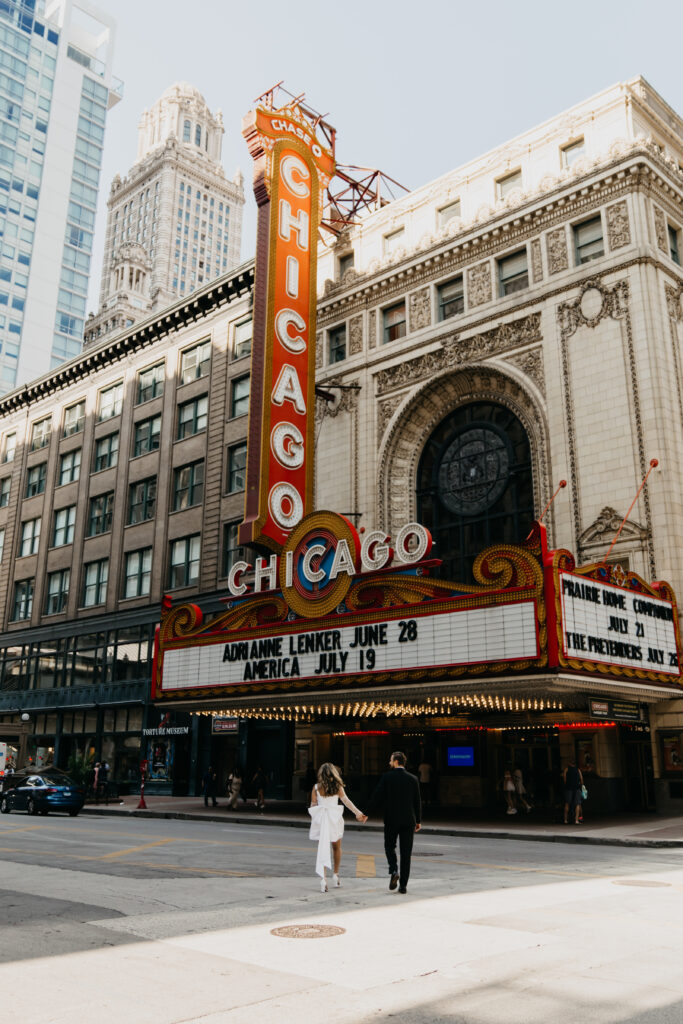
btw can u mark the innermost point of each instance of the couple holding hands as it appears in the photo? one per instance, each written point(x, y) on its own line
point(397, 795)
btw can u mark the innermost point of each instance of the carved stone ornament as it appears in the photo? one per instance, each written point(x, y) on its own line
point(355, 335)
point(593, 304)
point(604, 527)
point(420, 310)
point(531, 364)
point(318, 350)
point(673, 302)
point(660, 228)
point(556, 246)
point(618, 227)
point(536, 261)
point(385, 410)
point(372, 328)
point(345, 400)
point(458, 352)
point(479, 284)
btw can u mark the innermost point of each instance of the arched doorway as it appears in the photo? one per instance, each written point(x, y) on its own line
point(475, 484)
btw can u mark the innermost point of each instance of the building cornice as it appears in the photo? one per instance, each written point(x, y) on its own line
point(175, 317)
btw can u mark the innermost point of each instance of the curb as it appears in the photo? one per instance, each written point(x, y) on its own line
point(426, 830)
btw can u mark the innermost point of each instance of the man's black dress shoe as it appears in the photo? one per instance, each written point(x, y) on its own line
point(393, 881)
point(402, 889)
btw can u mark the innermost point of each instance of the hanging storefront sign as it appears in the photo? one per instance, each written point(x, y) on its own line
point(292, 168)
point(616, 710)
point(222, 725)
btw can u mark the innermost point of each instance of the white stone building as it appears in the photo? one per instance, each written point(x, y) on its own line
point(174, 223)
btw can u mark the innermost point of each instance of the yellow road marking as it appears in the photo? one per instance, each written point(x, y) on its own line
point(132, 849)
point(365, 866)
point(23, 828)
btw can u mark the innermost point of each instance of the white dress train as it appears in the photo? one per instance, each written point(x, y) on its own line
point(327, 826)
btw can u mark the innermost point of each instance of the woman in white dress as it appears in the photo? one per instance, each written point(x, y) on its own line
point(327, 821)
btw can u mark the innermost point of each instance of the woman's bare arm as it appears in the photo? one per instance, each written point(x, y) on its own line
point(351, 806)
point(314, 797)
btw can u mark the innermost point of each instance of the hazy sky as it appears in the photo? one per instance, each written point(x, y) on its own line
point(414, 87)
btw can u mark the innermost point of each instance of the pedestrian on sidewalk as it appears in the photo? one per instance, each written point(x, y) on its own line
point(573, 796)
point(259, 783)
point(424, 774)
point(398, 796)
point(234, 788)
point(520, 790)
point(327, 821)
point(508, 786)
point(209, 786)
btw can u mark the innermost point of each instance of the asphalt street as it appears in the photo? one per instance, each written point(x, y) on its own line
point(170, 922)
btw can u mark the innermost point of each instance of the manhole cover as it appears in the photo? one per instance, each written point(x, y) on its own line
point(644, 883)
point(426, 853)
point(308, 931)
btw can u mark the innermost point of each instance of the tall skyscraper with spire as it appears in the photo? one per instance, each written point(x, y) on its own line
point(56, 86)
point(175, 221)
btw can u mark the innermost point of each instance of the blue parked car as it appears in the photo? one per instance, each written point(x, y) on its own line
point(39, 792)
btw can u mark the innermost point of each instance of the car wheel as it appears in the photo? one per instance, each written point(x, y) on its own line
point(4, 806)
point(73, 814)
point(31, 806)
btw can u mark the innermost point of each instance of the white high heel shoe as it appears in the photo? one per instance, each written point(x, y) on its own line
point(323, 885)
point(336, 884)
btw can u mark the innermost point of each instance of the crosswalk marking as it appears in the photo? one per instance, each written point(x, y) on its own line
point(365, 866)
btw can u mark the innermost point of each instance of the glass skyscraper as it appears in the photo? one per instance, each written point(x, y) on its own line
point(55, 89)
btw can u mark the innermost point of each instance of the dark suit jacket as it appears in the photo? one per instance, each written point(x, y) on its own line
point(398, 797)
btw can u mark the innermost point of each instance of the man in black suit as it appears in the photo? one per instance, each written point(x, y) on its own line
point(398, 796)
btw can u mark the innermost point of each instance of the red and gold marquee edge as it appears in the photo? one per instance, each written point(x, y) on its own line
point(504, 575)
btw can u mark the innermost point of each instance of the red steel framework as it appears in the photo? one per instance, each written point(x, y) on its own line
point(354, 189)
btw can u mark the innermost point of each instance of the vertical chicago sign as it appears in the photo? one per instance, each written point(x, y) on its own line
point(291, 172)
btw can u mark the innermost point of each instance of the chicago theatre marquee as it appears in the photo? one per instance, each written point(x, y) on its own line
point(472, 648)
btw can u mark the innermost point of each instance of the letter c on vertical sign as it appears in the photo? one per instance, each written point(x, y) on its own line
point(285, 319)
point(291, 165)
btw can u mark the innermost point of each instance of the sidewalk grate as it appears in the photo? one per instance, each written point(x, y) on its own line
point(307, 931)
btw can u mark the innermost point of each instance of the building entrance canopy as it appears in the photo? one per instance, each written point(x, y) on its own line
point(332, 620)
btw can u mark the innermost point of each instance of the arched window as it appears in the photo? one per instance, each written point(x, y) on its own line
point(187, 128)
point(474, 485)
point(198, 135)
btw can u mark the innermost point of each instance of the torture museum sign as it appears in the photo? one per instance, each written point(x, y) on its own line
point(331, 607)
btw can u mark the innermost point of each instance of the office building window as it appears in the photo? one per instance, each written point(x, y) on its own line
point(138, 573)
point(507, 184)
point(394, 322)
point(4, 490)
point(146, 436)
point(9, 448)
point(64, 522)
point(588, 243)
point(673, 245)
point(188, 485)
point(111, 402)
point(243, 335)
point(40, 434)
point(338, 344)
point(106, 452)
point(187, 128)
point(150, 383)
point(195, 362)
point(447, 213)
point(392, 241)
point(2, 542)
point(35, 480)
point(74, 419)
point(572, 152)
point(69, 467)
point(192, 417)
point(57, 591)
point(30, 537)
point(237, 464)
point(100, 514)
point(142, 500)
point(346, 262)
point(95, 576)
point(233, 551)
point(513, 273)
point(451, 298)
point(239, 404)
point(23, 600)
point(184, 563)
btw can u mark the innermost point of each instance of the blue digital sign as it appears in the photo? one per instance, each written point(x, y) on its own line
point(460, 757)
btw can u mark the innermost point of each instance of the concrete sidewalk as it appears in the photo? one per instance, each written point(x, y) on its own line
point(619, 830)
